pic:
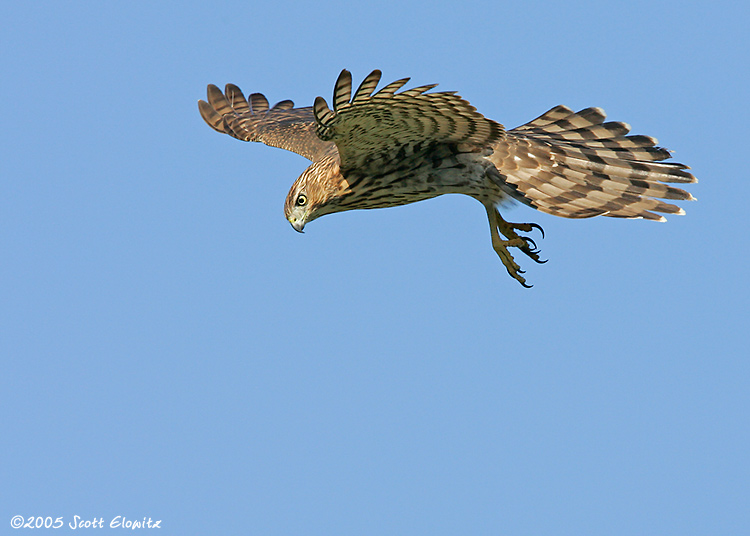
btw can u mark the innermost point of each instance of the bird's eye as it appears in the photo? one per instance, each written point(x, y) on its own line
point(301, 200)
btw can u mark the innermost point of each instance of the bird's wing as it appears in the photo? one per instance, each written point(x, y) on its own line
point(573, 164)
point(252, 119)
point(368, 127)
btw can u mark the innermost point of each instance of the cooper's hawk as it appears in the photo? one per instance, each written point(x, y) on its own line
point(385, 148)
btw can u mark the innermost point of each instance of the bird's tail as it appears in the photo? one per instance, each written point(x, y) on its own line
point(573, 164)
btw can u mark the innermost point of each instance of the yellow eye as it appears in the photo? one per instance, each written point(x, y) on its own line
point(301, 200)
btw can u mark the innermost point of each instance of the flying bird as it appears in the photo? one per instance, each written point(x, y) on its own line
point(385, 148)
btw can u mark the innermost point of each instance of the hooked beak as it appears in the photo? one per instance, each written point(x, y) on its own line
point(298, 225)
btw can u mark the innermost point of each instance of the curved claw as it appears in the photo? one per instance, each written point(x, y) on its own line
point(536, 259)
point(537, 226)
point(534, 249)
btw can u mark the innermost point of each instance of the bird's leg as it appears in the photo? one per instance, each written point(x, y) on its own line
point(513, 240)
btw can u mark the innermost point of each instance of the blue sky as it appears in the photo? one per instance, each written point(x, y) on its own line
point(172, 349)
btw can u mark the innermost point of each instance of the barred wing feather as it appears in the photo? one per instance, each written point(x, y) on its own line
point(280, 126)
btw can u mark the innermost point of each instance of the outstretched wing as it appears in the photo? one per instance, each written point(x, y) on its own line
point(386, 124)
point(282, 126)
point(573, 164)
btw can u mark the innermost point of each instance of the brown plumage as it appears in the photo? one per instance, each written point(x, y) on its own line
point(390, 147)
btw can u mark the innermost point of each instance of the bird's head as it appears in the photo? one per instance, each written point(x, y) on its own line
point(315, 193)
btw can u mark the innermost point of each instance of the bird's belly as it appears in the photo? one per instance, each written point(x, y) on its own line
point(463, 174)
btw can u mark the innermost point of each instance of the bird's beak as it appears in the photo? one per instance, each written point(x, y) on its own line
point(298, 225)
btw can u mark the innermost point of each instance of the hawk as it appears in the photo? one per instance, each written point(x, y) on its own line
point(386, 148)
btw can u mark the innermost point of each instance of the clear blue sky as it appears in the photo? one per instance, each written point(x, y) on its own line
point(172, 349)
